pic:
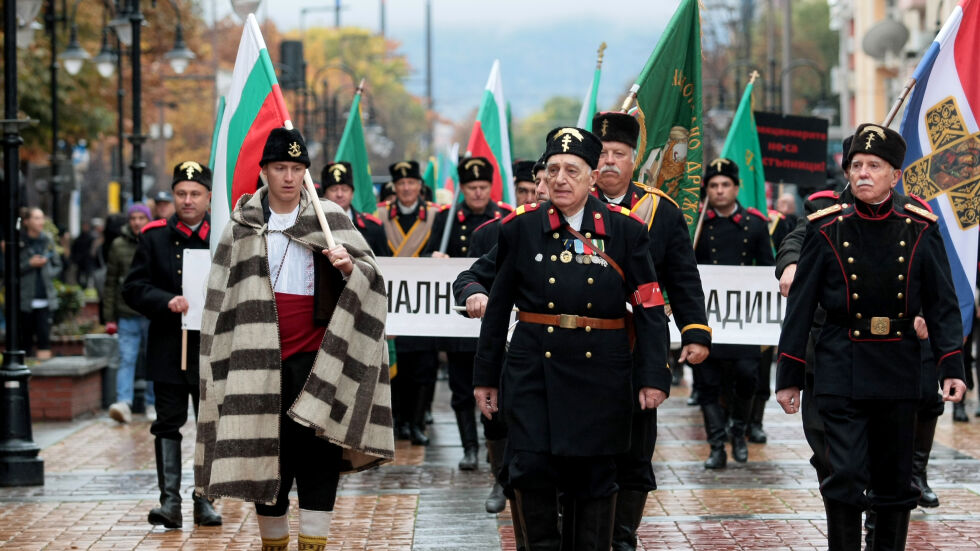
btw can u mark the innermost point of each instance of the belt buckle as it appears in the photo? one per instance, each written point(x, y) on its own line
point(880, 325)
point(567, 321)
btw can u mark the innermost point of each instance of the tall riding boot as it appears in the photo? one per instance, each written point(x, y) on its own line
point(629, 513)
point(168, 476)
point(714, 425)
point(587, 524)
point(466, 421)
point(538, 513)
point(756, 434)
point(925, 430)
point(740, 417)
point(843, 526)
point(891, 531)
point(418, 416)
point(496, 501)
point(204, 513)
point(520, 537)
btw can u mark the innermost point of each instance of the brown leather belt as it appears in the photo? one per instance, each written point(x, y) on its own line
point(568, 321)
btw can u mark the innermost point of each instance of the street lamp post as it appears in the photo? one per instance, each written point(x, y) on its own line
point(51, 20)
point(19, 463)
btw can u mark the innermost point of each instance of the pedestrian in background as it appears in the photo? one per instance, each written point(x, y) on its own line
point(40, 264)
point(132, 327)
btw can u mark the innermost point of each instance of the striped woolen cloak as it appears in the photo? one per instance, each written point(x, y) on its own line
point(347, 397)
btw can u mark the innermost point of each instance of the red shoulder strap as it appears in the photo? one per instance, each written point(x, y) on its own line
point(161, 223)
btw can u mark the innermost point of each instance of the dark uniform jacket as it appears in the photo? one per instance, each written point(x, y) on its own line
point(673, 258)
point(156, 277)
point(741, 239)
point(370, 227)
point(465, 222)
point(780, 226)
point(872, 268)
point(570, 391)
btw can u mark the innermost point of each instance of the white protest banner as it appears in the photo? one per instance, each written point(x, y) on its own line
point(743, 305)
point(197, 265)
point(742, 302)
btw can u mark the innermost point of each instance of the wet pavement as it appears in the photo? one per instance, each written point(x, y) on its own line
point(100, 482)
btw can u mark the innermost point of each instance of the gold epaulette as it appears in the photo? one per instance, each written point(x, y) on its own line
point(832, 209)
point(663, 194)
point(922, 212)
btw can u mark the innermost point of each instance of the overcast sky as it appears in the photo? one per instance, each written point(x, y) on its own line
point(546, 47)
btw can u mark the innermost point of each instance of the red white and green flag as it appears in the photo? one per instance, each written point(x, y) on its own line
point(491, 139)
point(253, 107)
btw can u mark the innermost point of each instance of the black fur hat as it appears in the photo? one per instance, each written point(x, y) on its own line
point(472, 169)
point(191, 171)
point(336, 173)
point(573, 141)
point(611, 126)
point(285, 145)
point(881, 141)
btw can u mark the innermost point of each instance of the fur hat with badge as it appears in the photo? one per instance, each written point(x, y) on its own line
point(722, 166)
point(475, 169)
point(335, 174)
point(611, 126)
point(285, 145)
point(880, 141)
point(524, 171)
point(191, 171)
point(573, 141)
point(404, 169)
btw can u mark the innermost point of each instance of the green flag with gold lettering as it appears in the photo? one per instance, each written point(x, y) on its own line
point(668, 106)
point(742, 146)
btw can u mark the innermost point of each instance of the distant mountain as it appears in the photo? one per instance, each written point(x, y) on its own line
point(537, 62)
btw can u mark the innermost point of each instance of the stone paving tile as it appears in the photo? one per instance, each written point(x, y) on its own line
point(100, 483)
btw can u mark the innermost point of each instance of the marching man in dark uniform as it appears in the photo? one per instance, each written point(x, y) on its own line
point(337, 181)
point(567, 387)
point(154, 288)
point(731, 236)
point(677, 271)
point(873, 266)
point(407, 220)
point(475, 181)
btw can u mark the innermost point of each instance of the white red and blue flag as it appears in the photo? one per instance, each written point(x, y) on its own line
point(942, 163)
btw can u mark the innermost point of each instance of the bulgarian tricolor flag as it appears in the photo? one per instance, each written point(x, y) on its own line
point(491, 139)
point(253, 107)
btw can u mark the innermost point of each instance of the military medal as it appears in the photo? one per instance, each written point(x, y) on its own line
point(565, 256)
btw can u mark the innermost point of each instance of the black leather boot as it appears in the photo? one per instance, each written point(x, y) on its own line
point(520, 537)
point(693, 398)
point(959, 413)
point(587, 524)
point(496, 501)
point(419, 437)
point(204, 513)
point(538, 514)
point(740, 418)
point(843, 526)
point(756, 434)
point(629, 513)
point(891, 530)
point(466, 421)
point(714, 425)
point(168, 476)
point(925, 431)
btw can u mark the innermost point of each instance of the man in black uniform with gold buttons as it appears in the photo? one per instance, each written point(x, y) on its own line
point(154, 288)
point(731, 236)
point(677, 271)
point(337, 181)
point(567, 387)
point(873, 266)
point(475, 182)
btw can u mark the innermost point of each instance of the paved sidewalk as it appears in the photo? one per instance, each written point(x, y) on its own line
point(100, 482)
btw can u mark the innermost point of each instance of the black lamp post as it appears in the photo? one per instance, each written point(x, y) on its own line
point(19, 463)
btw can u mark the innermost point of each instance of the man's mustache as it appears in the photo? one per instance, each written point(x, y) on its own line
point(610, 168)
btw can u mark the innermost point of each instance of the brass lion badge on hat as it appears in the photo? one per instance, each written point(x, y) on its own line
point(294, 150)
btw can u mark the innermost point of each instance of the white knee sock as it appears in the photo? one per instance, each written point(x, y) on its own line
point(314, 523)
point(273, 528)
